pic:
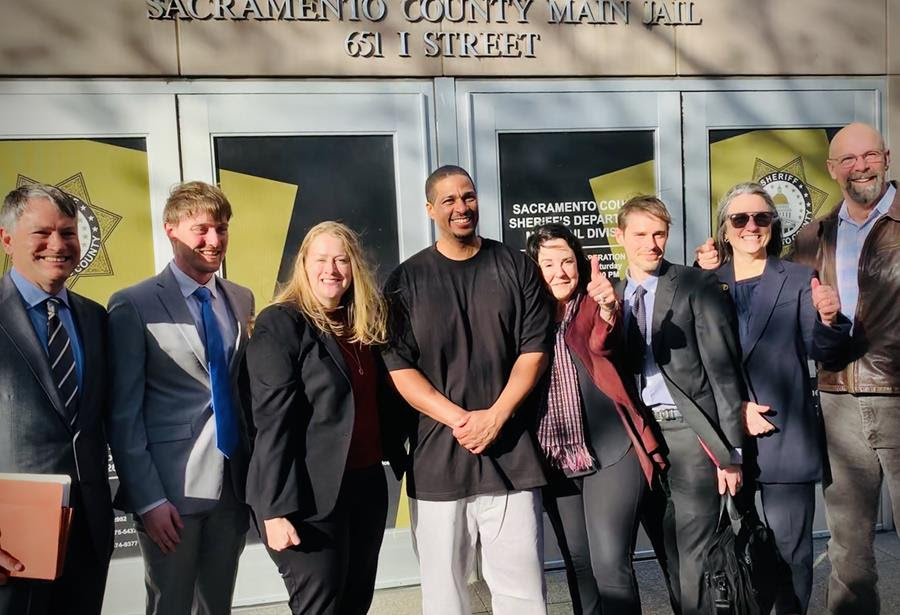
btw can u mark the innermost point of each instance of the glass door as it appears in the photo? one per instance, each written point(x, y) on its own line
point(571, 153)
point(776, 136)
point(117, 153)
point(358, 153)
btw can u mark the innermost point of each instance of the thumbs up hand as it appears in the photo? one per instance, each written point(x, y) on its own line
point(706, 254)
point(825, 300)
point(601, 290)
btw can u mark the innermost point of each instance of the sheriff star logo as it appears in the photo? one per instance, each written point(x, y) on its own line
point(796, 200)
point(95, 225)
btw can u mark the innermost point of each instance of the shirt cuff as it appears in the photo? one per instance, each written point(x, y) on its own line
point(150, 507)
point(737, 456)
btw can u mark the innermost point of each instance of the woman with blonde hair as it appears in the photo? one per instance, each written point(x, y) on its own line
point(320, 404)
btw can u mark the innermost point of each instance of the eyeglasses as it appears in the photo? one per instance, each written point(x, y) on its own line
point(760, 218)
point(872, 157)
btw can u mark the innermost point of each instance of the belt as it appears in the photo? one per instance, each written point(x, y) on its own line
point(666, 413)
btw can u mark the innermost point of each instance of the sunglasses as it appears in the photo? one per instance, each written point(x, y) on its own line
point(760, 218)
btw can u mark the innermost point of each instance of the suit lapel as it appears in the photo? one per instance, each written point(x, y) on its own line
point(662, 302)
point(241, 316)
point(174, 303)
point(763, 303)
point(14, 321)
point(334, 350)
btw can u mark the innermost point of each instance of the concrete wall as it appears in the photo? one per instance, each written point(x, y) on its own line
point(736, 37)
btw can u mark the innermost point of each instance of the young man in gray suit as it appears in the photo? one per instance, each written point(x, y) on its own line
point(51, 411)
point(177, 428)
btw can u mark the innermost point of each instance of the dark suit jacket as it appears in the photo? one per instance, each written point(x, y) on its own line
point(695, 344)
point(303, 412)
point(35, 435)
point(596, 345)
point(783, 333)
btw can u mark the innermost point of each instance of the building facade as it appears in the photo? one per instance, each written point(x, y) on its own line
point(304, 110)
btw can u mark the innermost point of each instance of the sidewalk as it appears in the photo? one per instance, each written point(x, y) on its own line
point(405, 600)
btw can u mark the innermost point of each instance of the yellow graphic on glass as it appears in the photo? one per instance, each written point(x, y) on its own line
point(611, 191)
point(789, 164)
point(112, 190)
point(261, 214)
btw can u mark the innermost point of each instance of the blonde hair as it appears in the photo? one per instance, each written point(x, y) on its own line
point(191, 198)
point(366, 310)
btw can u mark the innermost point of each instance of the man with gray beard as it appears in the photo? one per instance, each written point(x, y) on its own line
point(855, 249)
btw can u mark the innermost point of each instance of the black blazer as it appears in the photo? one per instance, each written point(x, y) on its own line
point(784, 331)
point(303, 412)
point(695, 344)
point(34, 433)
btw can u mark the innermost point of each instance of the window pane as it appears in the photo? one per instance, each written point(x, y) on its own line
point(579, 179)
point(279, 187)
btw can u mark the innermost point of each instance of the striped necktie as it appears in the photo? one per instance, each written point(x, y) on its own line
point(62, 360)
point(637, 334)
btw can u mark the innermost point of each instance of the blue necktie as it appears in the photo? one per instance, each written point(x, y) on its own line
point(220, 380)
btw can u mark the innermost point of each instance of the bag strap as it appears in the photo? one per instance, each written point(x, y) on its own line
point(730, 514)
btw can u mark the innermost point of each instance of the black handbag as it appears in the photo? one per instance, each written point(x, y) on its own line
point(742, 569)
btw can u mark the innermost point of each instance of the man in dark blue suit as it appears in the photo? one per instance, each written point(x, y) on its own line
point(52, 343)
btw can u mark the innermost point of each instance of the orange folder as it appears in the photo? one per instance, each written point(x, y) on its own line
point(34, 522)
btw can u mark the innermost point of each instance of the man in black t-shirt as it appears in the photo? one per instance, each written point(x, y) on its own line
point(470, 332)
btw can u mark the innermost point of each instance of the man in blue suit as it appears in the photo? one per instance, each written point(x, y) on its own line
point(177, 428)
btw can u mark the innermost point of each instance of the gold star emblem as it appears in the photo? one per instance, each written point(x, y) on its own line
point(796, 200)
point(95, 225)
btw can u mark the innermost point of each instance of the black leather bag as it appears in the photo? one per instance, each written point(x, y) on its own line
point(742, 569)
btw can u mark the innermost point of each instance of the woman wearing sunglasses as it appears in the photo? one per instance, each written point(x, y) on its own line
point(784, 317)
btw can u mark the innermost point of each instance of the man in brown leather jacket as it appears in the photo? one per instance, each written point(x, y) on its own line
point(856, 249)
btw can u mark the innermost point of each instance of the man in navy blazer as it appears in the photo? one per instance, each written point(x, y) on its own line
point(53, 402)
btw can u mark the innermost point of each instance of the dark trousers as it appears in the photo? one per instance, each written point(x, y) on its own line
point(681, 514)
point(788, 509)
point(595, 520)
point(863, 437)
point(332, 570)
point(78, 591)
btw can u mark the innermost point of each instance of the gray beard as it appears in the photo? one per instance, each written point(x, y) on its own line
point(868, 195)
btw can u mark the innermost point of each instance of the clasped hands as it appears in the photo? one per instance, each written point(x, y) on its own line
point(477, 429)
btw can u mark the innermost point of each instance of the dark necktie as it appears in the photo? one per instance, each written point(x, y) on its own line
point(637, 332)
point(62, 360)
point(220, 380)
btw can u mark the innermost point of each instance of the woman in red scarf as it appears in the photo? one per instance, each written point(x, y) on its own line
point(595, 438)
